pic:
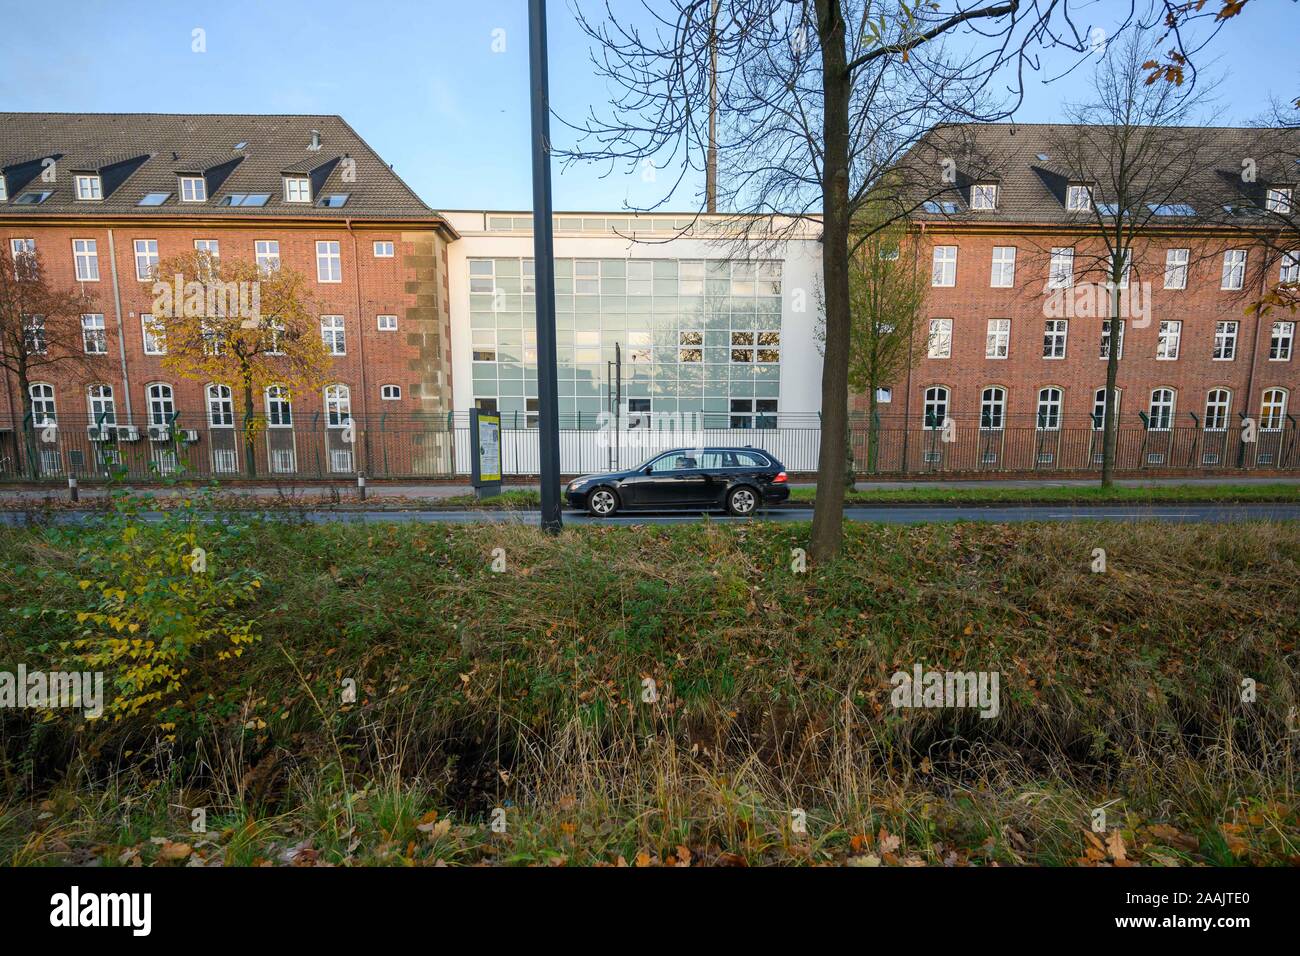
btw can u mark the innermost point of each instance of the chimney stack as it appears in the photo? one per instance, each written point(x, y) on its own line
point(315, 140)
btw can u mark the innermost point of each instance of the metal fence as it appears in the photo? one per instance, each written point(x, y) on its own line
point(438, 447)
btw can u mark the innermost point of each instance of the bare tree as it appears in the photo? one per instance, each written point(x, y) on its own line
point(40, 331)
point(1129, 162)
point(816, 100)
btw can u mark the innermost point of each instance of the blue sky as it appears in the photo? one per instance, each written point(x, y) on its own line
point(420, 80)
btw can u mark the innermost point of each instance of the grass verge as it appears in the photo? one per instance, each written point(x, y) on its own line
point(684, 695)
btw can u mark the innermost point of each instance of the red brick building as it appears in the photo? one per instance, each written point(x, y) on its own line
point(101, 196)
point(1012, 342)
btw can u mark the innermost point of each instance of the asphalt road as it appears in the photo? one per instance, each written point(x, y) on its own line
point(1181, 514)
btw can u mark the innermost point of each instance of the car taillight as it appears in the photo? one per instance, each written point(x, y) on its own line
point(780, 479)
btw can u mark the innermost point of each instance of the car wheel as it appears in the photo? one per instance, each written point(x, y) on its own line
point(742, 501)
point(602, 502)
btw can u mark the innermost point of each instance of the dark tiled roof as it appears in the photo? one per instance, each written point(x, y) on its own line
point(205, 144)
point(1030, 164)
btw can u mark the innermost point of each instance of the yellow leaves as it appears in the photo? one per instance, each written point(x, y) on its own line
point(174, 852)
point(83, 584)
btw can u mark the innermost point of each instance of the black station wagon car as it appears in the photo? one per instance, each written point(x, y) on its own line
point(738, 479)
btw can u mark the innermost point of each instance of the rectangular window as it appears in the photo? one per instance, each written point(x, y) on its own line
point(1234, 269)
point(1168, 339)
point(1279, 342)
point(94, 338)
point(85, 255)
point(639, 277)
point(940, 341)
point(208, 247)
point(998, 341)
point(34, 340)
point(383, 250)
point(1225, 341)
point(194, 189)
point(1278, 199)
point(1078, 198)
point(89, 187)
point(690, 346)
point(484, 345)
point(1061, 274)
point(481, 276)
point(1054, 333)
point(154, 343)
point(267, 254)
point(1176, 268)
point(331, 333)
point(984, 196)
point(1290, 271)
point(1162, 409)
point(1105, 340)
point(1004, 267)
point(297, 189)
point(329, 263)
point(386, 323)
point(146, 258)
point(4, 189)
point(945, 266)
point(23, 252)
point(586, 277)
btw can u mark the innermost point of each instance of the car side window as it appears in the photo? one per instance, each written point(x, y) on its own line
point(666, 463)
point(686, 463)
point(746, 460)
point(711, 459)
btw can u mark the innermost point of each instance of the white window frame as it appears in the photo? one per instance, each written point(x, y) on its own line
point(100, 401)
point(1078, 198)
point(1061, 271)
point(984, 196)
point(266, 253)
point(993, 408)
point(1289, 267)
point(1176, 262)
point(1167, 408)
point(385, 249)
point(161, 403)
point(390, 393)
point(997, 339)
point(42, 393)
point(1103, 350)
point(1272, 415)
point(1281, 341)
point(146, 258)
point(1234, 270)
point(279, 406)
point(333, 332)
point(210, 246)
point(1169, 336)
point(297, 189)
point(1225, 341)
point(338, 405)
point(85, 257)
point(4, 189)
point(151, 343)
point(89, 330)
point(35, 339)
point(943, 274)
point(1218, 412)
point(382, 326)
point(1278, 199)
point(193, 189)
point(937, 397)
point(18, 248)
point(1099, 407)
point(1004, 268)
point(89, 187)
point(1056, 335)
point(939, 340)
point(1051, 398)
point(329, 260)
point(219, 399)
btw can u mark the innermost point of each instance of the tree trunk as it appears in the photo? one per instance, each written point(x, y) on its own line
point(1108, 435)
point(828, 515)
point(28, 425)
point(873, 431)
point(250, 436)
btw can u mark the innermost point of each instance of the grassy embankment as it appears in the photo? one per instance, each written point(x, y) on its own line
point(523, 690)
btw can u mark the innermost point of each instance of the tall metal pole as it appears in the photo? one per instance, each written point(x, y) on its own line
point(711, 157)
point(548, 399)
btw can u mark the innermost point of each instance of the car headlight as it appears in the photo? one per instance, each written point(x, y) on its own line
point(575, 485)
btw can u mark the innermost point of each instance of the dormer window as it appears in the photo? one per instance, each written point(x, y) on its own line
point(984, 196)
point(1278, 199)
point(194, 189)
point(297, 189)
point(89, 186)
point(4, 190)
point(1078, 198)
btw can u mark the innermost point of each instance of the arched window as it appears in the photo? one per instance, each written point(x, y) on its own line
point(42, 394)
point(1162, 409)
point(1218, 403)
point(338, 406)
point(1099, 407)
point(1272, 411)
point(279, 409)
point(936, 406)
point(390, 393)
point(99, 399)
point(1049, 408)
point(993, 407)
point(221, 406)
point(162, 407)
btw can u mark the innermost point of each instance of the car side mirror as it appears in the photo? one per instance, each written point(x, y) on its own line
point(648, 469)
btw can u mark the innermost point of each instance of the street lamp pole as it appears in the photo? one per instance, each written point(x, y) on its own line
point(548, 400)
